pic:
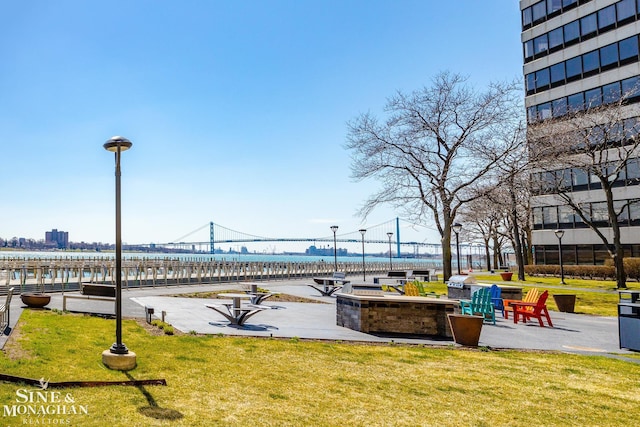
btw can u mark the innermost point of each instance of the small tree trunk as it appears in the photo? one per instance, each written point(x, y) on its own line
point(516, 235)
point(487, 253)
point(446, 257)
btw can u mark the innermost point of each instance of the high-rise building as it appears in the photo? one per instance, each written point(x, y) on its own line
point(59, 239)
point(577, 54)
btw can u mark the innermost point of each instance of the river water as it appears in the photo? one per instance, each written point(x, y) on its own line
point(429, 262)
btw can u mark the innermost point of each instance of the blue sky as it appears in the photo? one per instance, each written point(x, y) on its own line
point(237, 110)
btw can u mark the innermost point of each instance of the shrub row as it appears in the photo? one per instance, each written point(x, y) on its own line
point(577, 271)
point(607, 271)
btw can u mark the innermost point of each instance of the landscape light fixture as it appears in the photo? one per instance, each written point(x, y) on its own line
point(559, 234)
point(118, 356)
point(456, 229)
point(364, 273)
point(334, 228)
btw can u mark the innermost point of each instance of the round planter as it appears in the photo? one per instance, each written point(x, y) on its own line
point(466, 329)
point(506, 275)
point(35, 300)
point(566, 302)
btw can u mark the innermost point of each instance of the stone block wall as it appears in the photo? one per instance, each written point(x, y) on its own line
point(402, 317)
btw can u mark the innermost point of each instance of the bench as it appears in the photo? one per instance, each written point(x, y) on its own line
point(337, 277)
point(426, 275)
point(330, 284)
point(97, 290)
point(399, 276)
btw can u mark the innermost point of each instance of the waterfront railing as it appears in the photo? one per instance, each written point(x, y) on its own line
point(60, 275)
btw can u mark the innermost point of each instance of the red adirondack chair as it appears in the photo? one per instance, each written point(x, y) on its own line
point(529, 309)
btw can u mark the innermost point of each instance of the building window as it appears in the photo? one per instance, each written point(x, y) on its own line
point(611, 93)
point(540, 44)
point(580, 179)
point(593, 97)
point(537, 218)
point(559, 107)
point(628, 50)
point(538, 11)
point(588, 26)
point(572, 32)
point(555, 39)
point(609, 56)
point(565, 216)
point(599, 214)
point(550, 217)
point(553, 6)
point(626, 10)
point(542, 79)
point(631, 88)
point(576, 102)
point(574, 68)
point(634, 213)
point(607, 18)
point(557, 74)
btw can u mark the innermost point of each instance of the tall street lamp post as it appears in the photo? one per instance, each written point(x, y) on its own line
point(334, 228)
point(559, 234)
point(390, 262)
point(118, 356)
point(364, 273)
point(456, 229)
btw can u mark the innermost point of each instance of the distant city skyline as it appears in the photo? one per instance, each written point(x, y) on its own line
point(237, 115)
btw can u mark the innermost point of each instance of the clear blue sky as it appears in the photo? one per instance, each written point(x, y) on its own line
point(237, 110)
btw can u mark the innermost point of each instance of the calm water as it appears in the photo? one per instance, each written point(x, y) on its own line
point(219, 257)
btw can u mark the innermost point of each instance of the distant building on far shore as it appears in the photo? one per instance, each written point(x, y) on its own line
point(59, 239)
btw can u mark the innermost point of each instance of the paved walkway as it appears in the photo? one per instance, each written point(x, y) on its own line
point(572, 333)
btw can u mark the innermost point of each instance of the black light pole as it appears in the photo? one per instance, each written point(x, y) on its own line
point(117, 145)
point(559, 234)
point(390, 263)
point(364, 274)
point(456, 229)
point(334, 228)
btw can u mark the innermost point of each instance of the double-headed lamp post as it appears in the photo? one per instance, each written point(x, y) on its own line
point(334, 228)
point(559, 234)
point(456, 229)
point(390, 234)
point(364, 273)
point(118, 356)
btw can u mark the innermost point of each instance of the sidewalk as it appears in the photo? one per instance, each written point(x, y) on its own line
point(573, 333)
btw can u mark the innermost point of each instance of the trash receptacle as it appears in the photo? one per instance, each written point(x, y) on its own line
point(629, 320)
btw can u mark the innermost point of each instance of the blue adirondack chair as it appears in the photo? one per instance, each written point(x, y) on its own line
point(496, 298)
point(480, 304)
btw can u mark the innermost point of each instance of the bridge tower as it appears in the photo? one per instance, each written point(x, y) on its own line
point(212, 248)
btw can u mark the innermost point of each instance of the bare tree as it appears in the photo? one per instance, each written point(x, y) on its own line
point(434, 147)
point(482, 218)
point(597, 146)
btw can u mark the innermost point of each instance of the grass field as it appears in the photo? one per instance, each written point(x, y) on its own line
point(213, 380)
point(597, 297)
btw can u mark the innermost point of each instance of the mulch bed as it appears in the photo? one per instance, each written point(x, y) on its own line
point(276, 297)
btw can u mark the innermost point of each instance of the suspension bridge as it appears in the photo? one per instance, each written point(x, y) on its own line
point(388, 232)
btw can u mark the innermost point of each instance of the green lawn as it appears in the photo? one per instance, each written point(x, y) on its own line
point(597, 297)
point(214, 380)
